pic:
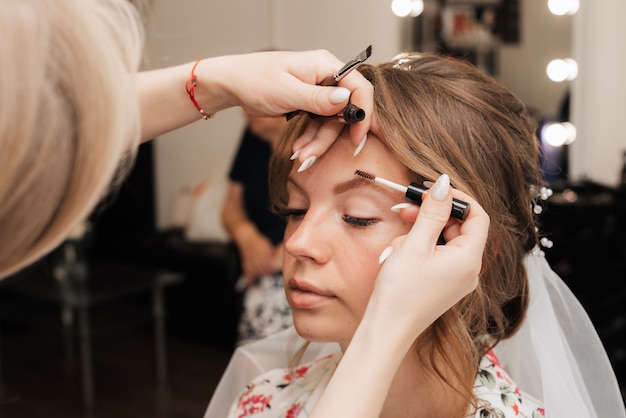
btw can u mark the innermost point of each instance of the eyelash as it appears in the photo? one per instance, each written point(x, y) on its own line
point(359, 222)
point(292, 213)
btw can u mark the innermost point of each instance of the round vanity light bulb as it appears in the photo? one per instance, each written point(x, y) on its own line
point(558, 7)
point(558, 134)
point(563, 7)
point(570, 130)
point(554, 134)
point(562, 69)
point(401, 8)
point(417, 7)
point(557, 70)
point(572, 68)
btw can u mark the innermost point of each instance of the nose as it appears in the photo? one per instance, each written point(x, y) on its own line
point(309, 238)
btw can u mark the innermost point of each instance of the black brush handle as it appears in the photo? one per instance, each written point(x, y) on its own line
point(415, 192)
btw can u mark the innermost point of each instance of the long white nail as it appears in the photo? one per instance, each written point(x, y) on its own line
point(307, 163)
point(440, 189)
point(400, 206)
point(339, 95)
point(385, 255)
point(295, 155)
point(361, 145)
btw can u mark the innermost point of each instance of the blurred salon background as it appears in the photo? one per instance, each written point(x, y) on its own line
point(136, 314)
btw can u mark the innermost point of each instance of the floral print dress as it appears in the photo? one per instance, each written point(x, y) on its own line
point(283, 393)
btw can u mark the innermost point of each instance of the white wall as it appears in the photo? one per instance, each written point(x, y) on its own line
point(183, 31)
point(599, 91)
point(343, 27)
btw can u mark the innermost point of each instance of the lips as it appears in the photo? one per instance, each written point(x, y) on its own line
point(305, 296)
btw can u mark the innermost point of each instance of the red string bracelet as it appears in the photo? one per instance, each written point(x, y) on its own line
point(190, 86)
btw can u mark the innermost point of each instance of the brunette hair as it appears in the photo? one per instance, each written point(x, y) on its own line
point(69, 116)
point(443, 115)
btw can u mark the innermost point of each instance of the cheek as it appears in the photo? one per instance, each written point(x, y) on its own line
point(367, 259)
point(362, 268)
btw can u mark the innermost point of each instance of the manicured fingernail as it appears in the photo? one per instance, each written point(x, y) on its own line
point(295, 155)
point(339, 95)
point(307, 163)
point(361, 145)
point(399, 206)
point(440, 189)
point(428, 184)
point(385, 255)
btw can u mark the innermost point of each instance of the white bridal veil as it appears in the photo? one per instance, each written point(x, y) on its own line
point(556, 356)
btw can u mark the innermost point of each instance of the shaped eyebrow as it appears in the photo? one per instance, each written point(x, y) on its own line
point(359, 182)
point(355, 183)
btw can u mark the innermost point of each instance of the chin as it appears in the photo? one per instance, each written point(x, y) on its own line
point(318, 330)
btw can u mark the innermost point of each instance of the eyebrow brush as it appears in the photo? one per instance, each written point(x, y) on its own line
point(333, 79)
point(349, 66)
point(414, 193)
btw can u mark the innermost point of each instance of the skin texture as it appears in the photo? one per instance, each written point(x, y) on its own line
point(331, 258)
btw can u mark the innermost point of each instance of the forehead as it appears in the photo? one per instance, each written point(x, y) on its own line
point(339, 163)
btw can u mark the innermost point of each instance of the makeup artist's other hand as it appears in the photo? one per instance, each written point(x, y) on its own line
point(421, 280)
point(274, 83)
point(318, 137)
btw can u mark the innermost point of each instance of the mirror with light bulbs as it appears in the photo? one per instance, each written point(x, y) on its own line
point(510, 39)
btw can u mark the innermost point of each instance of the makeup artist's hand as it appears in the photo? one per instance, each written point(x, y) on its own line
point(420, 280)
point(270, 83)
point(318, 137)
point(277, 82)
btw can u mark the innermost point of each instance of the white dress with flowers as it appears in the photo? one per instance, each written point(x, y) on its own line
point(282, 393)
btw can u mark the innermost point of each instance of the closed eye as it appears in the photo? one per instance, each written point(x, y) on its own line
point(359, 221)
point(288, 213)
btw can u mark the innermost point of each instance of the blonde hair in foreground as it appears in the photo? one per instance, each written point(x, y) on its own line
point(442, 115)
point(69, 116)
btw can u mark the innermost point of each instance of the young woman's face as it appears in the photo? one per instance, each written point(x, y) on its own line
point(338, 224)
